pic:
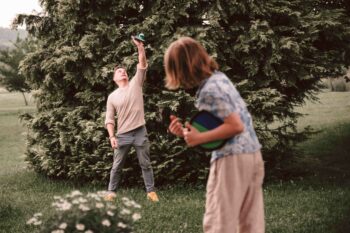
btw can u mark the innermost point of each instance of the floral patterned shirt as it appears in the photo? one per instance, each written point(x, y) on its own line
point(219, 96)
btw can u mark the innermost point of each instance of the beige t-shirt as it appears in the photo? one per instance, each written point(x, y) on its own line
point(127, 102)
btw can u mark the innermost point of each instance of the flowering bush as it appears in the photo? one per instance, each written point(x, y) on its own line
point(79, 213)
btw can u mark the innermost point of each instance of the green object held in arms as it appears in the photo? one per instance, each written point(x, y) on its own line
point(204, 121)
point(209, 145)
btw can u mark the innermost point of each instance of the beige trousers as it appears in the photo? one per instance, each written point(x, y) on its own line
point(234, 198)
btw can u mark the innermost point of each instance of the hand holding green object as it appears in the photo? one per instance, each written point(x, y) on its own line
point(140, 37)
point(204, 121)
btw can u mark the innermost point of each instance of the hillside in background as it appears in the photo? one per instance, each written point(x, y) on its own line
point(7, 36)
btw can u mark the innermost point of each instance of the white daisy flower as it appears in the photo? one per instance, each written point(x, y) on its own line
point(136, 216)
point(122, 225)
point(92, 195)
point(102, 193)
point(75, 193)
point(63, 225)
point(57, 231)
point(31, 221)
point(82, 200)
point(75, 201)
point(84, 207)
point(38, 215)
point(65, 206)
point(134, 204)
point(106, 223)
point(125, 211)
point(110, 213)
point(125, 199)
point(112, 207)
point(80, 227)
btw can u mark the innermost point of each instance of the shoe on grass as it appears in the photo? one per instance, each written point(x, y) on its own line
point(110, 196)
point(152, 196)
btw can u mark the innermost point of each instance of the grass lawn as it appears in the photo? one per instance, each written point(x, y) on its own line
point(333, 108)
point(318, 201)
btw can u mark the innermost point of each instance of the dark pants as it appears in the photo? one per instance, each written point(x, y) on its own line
point(137, 138)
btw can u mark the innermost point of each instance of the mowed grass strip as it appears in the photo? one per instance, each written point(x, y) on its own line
point(14, 102)
point(331, 109)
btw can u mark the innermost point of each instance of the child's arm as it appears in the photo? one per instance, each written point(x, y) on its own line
point(175, 126)
point(232, 126)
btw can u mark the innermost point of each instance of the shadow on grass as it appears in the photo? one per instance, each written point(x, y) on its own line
point(323, 158)
point(344, 225)
point(8, 211)
point(323, 164)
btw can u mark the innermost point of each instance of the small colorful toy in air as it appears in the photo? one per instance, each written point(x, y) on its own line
point(204, 121)
point(140, 37)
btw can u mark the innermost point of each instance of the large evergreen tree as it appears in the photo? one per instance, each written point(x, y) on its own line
point(274, 51)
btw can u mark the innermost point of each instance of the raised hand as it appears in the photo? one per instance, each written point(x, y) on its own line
point(137, 42)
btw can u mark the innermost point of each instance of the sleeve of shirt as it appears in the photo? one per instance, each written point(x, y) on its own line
point(110, 113)
point(217, 102)
point(140, 75)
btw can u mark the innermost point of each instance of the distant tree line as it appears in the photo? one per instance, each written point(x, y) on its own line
point(10, 59)
point(8, 36)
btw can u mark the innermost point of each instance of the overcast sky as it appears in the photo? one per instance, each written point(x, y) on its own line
point(9, 9)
